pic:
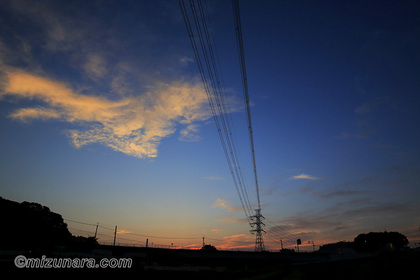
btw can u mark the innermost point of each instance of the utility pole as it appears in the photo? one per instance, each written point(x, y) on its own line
point(203, 241)
point(281, 242)
point(258, 231)
point(96, 231)
point(298, 242)
point(115, 234)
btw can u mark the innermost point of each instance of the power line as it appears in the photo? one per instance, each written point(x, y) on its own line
point(240, 45)
point(279, 230)
point(278, 233)
point(209, 73)
point(80, 230)
point(258, 217)
point(160, 237)
point(204, 53)
point(222, 108)
point(230, 122)
point(82, 223)
point(274, 233)
point(130, 233)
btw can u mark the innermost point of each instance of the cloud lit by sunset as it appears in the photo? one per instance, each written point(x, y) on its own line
point(132, 125)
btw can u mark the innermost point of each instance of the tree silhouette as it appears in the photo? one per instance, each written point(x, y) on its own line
point(374, 241)
point(30, 225)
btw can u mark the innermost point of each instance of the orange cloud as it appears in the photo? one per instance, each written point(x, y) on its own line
point(237, 241)
point(39, 112)
point(132, 125)
point(305, 176)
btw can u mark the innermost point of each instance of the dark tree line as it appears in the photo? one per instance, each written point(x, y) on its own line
point(30, 225)
point(375, 241)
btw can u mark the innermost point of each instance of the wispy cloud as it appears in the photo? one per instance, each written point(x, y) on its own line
point(343, 219)
point(237, 241)
point(224, 204)
point(189, 134)
point(185, 60)
point(220, 203)
point(304, 176)
point(37, 112)
point(233, 220)
point(95, 66)
point(133, 125)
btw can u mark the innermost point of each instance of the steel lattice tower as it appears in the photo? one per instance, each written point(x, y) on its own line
point(258, 225)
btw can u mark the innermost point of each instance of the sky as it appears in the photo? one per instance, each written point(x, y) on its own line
point(104, 119)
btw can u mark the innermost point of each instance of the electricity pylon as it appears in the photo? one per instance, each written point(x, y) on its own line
point(258, 231)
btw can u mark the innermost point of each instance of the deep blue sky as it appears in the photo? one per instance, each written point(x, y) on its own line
point(103, 118)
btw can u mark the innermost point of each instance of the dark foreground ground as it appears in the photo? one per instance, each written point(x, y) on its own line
point(392, 265)
point(149, 263)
